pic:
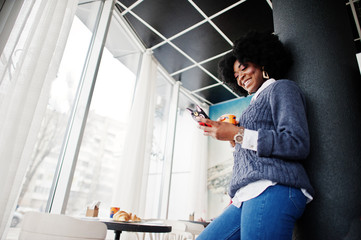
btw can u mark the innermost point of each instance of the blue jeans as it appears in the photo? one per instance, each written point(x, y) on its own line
point(269, 216)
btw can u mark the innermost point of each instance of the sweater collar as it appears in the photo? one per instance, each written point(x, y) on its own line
point(263, 87)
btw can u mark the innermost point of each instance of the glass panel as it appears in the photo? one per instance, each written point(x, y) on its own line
point(186, 161)
point(163, 96)
point(36, 187)
point(104, 134)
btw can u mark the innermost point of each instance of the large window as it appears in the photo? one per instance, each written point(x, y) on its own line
point(99, 142)
point(44, 159)
point(159, 144)
point(176, 182)
point(103, 140)
point(188, 189)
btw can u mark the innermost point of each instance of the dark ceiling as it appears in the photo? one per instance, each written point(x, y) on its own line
point(188, 38)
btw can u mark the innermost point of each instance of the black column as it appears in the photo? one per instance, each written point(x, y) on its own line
point(318, 34)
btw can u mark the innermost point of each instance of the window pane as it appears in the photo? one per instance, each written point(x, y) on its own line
point(187, 164)
point(39, 177)
point(103, 140)
point(163, 96)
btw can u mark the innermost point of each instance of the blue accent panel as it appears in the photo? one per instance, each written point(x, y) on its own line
point(234, 107)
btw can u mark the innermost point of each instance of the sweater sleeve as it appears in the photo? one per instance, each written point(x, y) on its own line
point(290, 139)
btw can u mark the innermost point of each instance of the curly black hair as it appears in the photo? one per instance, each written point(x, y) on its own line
point(262, 49)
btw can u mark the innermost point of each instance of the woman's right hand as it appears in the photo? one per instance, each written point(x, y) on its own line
point(223, 131)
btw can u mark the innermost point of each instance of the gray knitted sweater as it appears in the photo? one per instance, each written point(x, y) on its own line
point(279, 116)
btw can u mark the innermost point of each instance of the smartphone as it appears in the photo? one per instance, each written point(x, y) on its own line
point(199, 112)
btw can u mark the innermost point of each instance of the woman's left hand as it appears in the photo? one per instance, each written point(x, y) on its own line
point(219, 130)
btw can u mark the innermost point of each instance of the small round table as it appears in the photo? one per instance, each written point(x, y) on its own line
point(150, 227)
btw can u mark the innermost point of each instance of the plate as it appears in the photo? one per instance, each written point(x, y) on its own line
point(130, 221)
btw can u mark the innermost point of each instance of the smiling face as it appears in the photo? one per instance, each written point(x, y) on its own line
point(248, 76)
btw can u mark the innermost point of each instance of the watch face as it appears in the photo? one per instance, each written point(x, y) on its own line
point(238, 138)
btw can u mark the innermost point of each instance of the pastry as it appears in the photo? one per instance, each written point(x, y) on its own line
point(134, 218)
point(125, 217)
point(121, 216)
